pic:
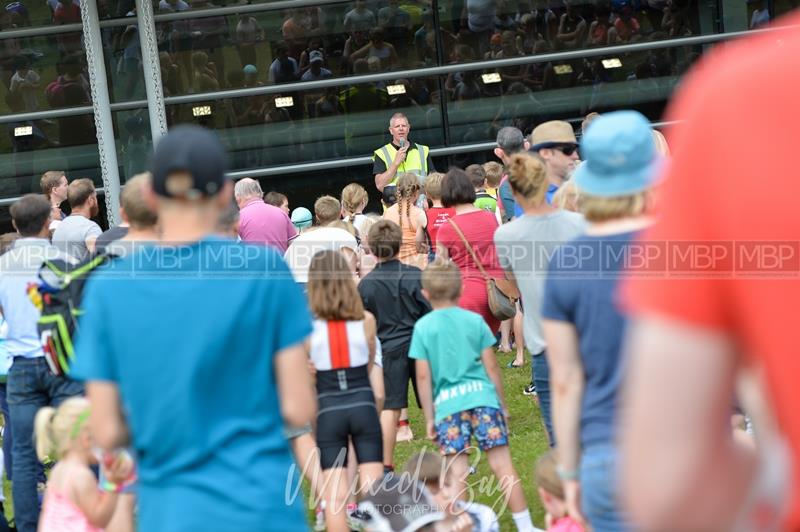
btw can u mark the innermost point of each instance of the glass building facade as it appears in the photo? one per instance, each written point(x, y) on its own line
point(301, 91)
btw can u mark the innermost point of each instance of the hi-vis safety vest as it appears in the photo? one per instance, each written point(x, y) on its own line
point(416, 160)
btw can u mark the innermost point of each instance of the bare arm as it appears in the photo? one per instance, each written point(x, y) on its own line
point(493, 371)
point(98, 506)
point(567, 382)
point(441, 251)
point(108, 425)
point(383, 179)
point(681, 376)
point(370, 330)
point(425, 389)
point(296, 393)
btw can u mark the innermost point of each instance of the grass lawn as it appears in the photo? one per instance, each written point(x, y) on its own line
point(527, 438)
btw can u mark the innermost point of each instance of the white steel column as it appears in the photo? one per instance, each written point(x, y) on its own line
point(102, 111)
point(152, 69)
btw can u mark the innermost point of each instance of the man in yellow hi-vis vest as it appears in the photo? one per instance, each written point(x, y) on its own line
point(400, 155)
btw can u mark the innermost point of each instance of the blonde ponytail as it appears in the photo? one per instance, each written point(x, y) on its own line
point(56, 428)
point(43, 432)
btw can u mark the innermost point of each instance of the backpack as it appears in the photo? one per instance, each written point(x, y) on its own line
point(58, 297)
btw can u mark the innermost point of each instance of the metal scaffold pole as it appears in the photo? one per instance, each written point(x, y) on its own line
point(152, 69)
point(101, 106)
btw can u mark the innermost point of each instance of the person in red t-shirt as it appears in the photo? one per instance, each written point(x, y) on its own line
point(436, 214)
point(727, 297)
point(478, 227)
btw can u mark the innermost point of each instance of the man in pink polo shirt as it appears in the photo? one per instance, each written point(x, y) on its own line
point(258, 221)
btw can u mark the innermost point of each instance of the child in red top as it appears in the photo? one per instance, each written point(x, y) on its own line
point(437, 214)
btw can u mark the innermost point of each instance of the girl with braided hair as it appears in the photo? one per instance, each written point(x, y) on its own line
point(412, 221)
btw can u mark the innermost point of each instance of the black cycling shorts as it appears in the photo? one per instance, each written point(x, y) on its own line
point(345, 415)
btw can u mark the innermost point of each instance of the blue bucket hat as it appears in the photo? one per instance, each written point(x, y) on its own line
point(619, 155)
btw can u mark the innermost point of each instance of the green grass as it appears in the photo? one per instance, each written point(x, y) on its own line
point(527, 438)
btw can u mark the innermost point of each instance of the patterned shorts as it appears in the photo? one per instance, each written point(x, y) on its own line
point(488, 425)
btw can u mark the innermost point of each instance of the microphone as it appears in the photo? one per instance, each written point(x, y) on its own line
point(402, 143)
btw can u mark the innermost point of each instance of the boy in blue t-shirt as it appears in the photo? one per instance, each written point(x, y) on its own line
point(460, 387)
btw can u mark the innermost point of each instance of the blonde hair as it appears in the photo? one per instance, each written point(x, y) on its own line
point(494, 173)
point(134, 202)
point(442, 280)
point(353, 196)
point(366, 224)
point(567, 197)
point(527, 176)
point(546, 474)
point(80, 191)
point(327, 209)
point(56, 428)
point(407, 186)
point(50, 180)
point(347, 226)
point(601, 209)
point(433, 185)
point(332, 292)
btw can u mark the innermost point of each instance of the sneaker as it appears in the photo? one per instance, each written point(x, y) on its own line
point(529, 389)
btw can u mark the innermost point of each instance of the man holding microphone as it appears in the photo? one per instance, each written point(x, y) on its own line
point(400, 155)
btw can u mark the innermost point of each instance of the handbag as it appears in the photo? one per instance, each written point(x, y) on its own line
point(502, 293)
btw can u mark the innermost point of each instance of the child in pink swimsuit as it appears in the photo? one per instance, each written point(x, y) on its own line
point(73, 502)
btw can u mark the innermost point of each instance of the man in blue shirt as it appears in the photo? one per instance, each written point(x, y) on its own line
point(31, 385)
point(194, 347)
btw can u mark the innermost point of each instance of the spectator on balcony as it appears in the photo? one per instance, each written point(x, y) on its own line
point(316, 70)
point(571, 28)
point(284, 68)
point(377, 47)
point(248, 34)
point(359, 18)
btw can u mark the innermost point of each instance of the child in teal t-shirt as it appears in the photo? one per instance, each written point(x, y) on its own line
point(460, 386)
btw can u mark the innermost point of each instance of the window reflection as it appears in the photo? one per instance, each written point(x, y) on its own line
point(306, 125)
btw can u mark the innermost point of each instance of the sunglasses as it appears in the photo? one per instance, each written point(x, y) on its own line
point(566, 149)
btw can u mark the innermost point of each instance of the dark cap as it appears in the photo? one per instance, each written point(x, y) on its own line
point(196, 151)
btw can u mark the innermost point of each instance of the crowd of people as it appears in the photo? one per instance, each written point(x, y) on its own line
point(228, 343)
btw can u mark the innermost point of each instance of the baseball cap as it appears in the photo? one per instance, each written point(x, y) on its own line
point(315, 55)
point(551, 133)
point(399, 506)
point(250, 69)
point(389, 195)
point(302, 217)
point(196, 151)
point(619, 155)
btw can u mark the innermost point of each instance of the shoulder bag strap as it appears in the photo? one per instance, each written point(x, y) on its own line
point(469, 248)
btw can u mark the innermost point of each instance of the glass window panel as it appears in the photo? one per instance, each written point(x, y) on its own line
point(45, 72)
point(487, 29)
point(123, 60)
point(30, 148)
point(211, 53)
point(478, 106)
point(345, 121)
